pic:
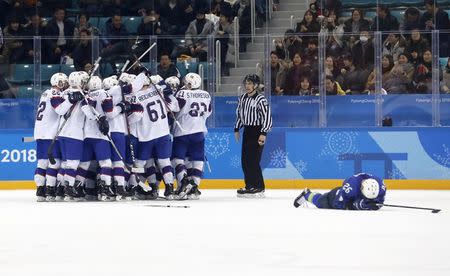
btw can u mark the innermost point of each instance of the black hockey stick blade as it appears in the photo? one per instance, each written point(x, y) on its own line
point(167, 206)
point(433, 210)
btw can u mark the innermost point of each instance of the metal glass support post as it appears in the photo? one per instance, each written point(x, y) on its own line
point(37, 59)
point(322, 79)
point(211, 87)
point(435, 85)
point(378, 43)
point(236, 41)
point(252, 19)
point(266, 68)
point(153, 54)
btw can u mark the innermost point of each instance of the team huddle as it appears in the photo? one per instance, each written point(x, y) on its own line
point(118, 138)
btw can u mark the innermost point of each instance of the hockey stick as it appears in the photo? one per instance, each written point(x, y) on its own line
point(167, 206)
point(143, 55)
point(50, 156)
point(433, 210)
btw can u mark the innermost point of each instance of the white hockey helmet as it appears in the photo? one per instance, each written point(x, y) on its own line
point(192, 80)
point(146, 81)
point(95, 83)
point(123, 77)
point(173, 82)
point(155, 79)
point(75, 80)
point(59, 80)
point(370, 188)
point(131, 77)
point(84, 76)
point(110, 82)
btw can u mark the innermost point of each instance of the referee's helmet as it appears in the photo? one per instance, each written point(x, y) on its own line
point(253, 78)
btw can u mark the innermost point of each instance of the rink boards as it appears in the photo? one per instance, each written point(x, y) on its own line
point(410, 158)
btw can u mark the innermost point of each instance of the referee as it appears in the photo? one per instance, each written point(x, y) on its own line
point(253, 114)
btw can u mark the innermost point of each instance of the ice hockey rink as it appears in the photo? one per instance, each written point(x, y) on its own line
point(223, 235)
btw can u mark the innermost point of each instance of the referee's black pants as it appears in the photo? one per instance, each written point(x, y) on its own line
point(251, 156)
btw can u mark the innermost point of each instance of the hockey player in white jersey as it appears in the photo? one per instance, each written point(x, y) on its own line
point(152, 128)
point(72, 134)
point(45, 129)
point(195, 108)
point(96, 144)
point(118, 131)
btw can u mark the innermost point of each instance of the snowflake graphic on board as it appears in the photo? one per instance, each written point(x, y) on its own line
point(395, 173)
point(301, 166)
point(278, 158)
point(444, 158)
point(217, 144)
point(339, 142)
point(235, 161)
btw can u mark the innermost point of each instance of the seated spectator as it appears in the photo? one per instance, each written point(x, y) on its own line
point(332, 87)
point(411, 19)
point(308, 24)
point(335, 46)
point(113, 41)
point(152, 24)
point(83, 23)
point(196, 35)
point(330, 68)
point(243, 10)
point(416, 43)
point(166, 68)
point(294, 74)
point(306, 88)
point(436, 18)
point(446, 78)
point(14, 50)
point(424, 73)
point(278, 74)
point(384, 21)
point(6, 91)
point(63, 30)
point(35, 27)
point(398, 81)
point(407, 67)
point(225, 34)
point(355, 25)
point(290, 45)
point(387, 63)
point(363, 51)
point(394, 45)
point(220, 6)
point(82, 53)
point(90, 6)
point(353, 78)
point(311, 58)
point(329, 6)
point(178, 14)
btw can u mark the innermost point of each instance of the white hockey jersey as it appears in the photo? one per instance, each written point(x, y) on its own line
point(47, 120)
point(154, 120)
point(103, 104)
point(195, 108)
point(74, 128)
point(116, 119)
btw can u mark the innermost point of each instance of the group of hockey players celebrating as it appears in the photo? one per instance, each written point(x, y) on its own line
point(117, 138)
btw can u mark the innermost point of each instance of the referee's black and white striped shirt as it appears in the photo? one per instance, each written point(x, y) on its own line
point(253, 111)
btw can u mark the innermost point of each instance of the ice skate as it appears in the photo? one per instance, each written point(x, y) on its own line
point(122, 194)
point(69, 192)
point(59, 192)
point(194, 194)
point(40, 193)
point(300, 199)
point(107, 193)
point(91, 194)
point(168, 192)
point(186, 187)
point(79, 193)
point(50, 193)
point(154, 193)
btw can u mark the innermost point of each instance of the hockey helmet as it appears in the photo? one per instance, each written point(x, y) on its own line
point(173, 82)
point(155, 79)
point(370, 188)
point(192, 80)
point(75, 80)
point(110, 82)
point(59, 80)
point(95, 83)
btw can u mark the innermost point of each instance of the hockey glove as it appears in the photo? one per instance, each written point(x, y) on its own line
point(103, 125)
point(364, 204)
point(126, 89)
point(125, 106)
point(75, 97)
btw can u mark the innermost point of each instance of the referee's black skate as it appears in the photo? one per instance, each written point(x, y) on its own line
point(301, 199)
point(40, 193)
point(251, 193)
point(168, 192)
point(50, 193)
point(107, 193)
point(242, 192)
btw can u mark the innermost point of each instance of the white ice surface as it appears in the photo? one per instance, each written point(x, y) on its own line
point(223, 235)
